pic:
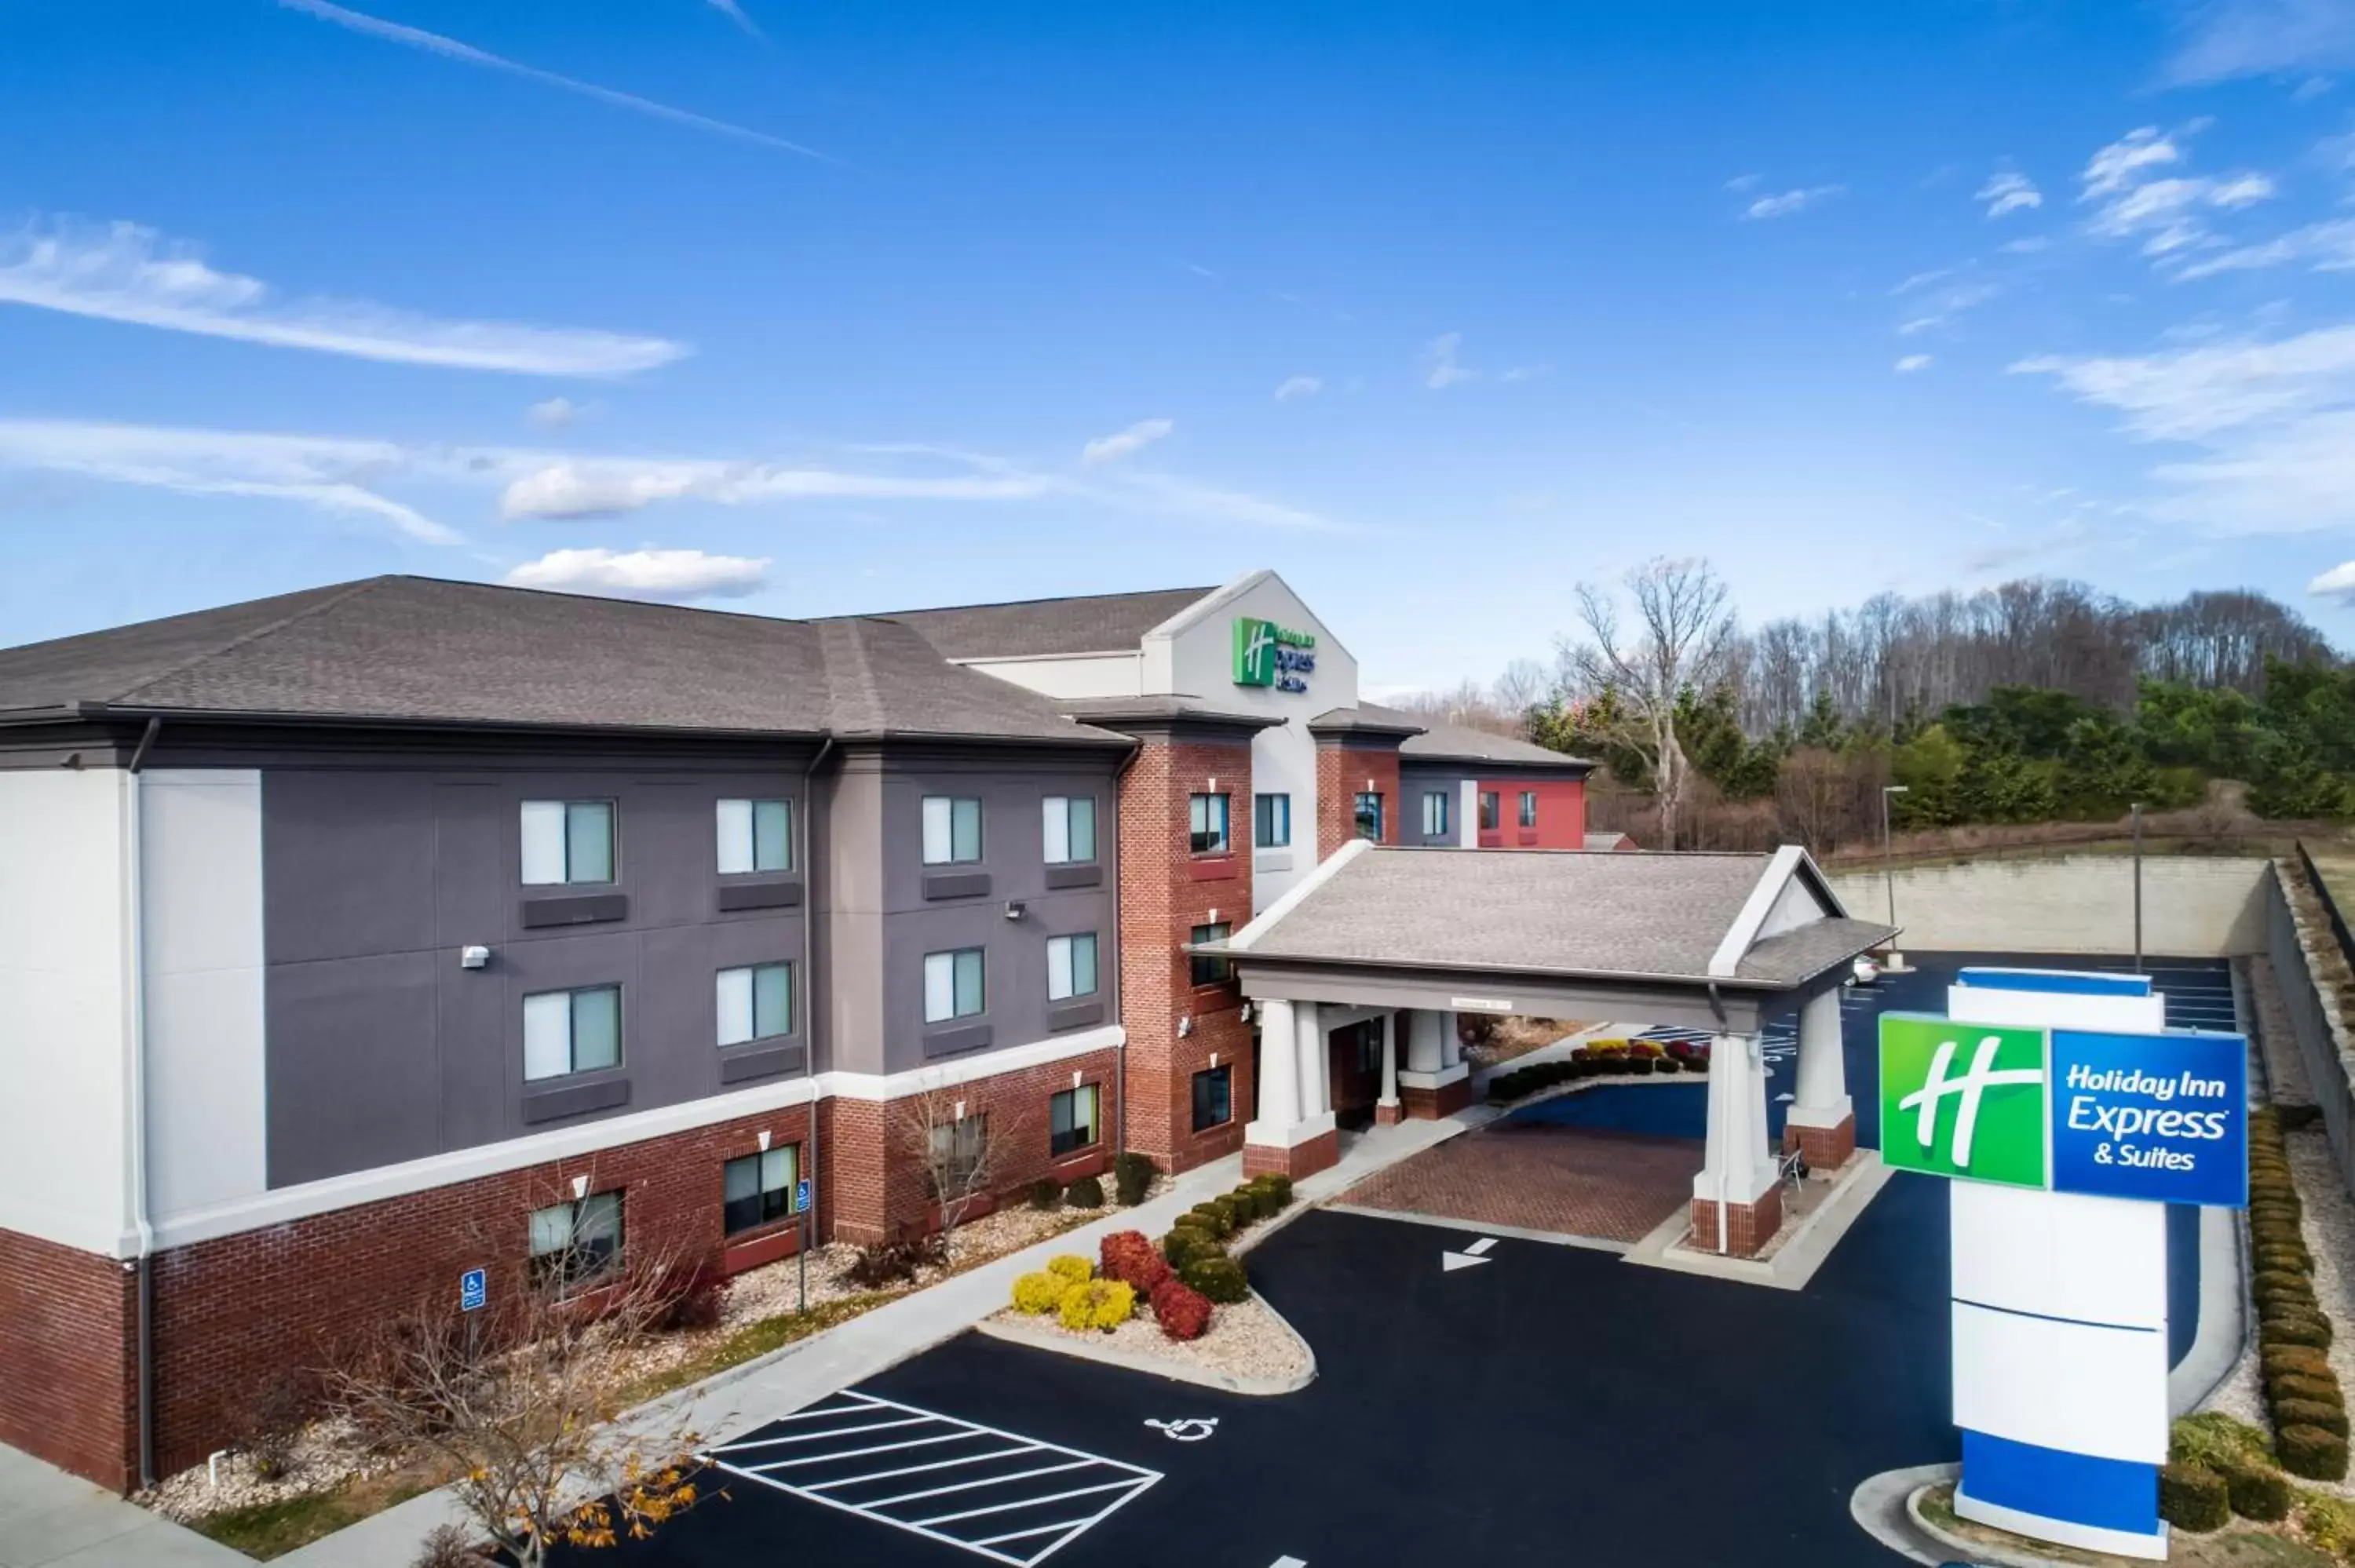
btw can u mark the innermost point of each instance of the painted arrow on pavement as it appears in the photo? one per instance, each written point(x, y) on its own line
point(1449, 1262)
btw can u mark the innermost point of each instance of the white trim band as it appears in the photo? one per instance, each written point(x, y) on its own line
point(1410, 1079)
point(1293, 1136)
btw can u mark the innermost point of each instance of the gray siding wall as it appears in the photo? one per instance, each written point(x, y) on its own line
point(880, 922)
point(382, 1048)
point(1414, 783)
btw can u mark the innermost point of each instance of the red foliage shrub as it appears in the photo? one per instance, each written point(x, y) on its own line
point(1131, 1257)
point(1182, 1311)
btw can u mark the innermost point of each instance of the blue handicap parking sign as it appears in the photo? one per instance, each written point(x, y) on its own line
point(474, 1289)
point(801, 1194)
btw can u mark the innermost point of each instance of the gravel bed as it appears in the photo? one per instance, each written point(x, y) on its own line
point(2277, 1042)
point(2329, 1228)
point(1245, 1340)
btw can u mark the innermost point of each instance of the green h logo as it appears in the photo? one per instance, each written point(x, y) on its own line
point(1255, 642)
point(1963, 1099)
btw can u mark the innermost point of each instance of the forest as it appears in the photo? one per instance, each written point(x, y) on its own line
point(2034, 702)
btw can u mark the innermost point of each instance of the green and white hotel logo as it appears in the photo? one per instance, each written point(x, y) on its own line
point(1963, 1099)
point(1267, 654)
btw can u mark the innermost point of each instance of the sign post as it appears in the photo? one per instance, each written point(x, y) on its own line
point(2068, 1117)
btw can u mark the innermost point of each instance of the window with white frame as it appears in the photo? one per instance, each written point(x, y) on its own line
point(1071, 828)
point(1434, 815)
point(574, 1243)
point(1529, 808)
point(1270, 822)
point(1071, 1120)
point(952, 830)
point(566, 841)
point(1070, 966)
point(1207, 823)
point(567, 1032)
point(755, 1003)
point(954, 985)
point(755, 835)
point(758, 1189)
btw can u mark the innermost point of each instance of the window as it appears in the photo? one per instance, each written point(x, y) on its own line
point(1070, 967)
point(1369, 815)
point(755, 835)
point(1208, 819)
point(1071, 1120)
point(1211, 971)
point(572, 1243)
point(959, 1149)
point(755, 1003)
point(1071, 822)
point(566, 841)
point(953, 985)
point(1434, 815)
point(1214, 1102)
point(952, 830)
point(1529, 808)
point(1270, 820)
point(572, 1031)
point(1489, 806)
point(759, 1188)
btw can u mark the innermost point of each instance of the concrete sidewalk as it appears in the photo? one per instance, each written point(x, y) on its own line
point(51, 1520)
point(758, 1392)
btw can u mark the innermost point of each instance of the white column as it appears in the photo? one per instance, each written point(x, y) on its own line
point(1821, 1098)
point(1279, 1070)
point(1422, 1047)
point(1740, 1166)
point(1315, 1059)
point(1467, 818)
point(1390, 1095)
point(1450, 1041)
point(1295, 1106)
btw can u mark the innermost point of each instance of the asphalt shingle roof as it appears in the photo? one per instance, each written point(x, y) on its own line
point(421, 649)
point(1093, 623)
point(1654, 916)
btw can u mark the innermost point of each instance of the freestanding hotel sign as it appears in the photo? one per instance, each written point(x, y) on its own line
point(2070, 1116)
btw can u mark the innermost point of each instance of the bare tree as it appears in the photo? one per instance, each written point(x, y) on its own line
point(952, 1142)
point(1520, 688)
point(1684, 632)
point(520, 1399)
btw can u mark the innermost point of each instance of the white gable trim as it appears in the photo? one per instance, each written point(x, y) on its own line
point(1211, 603)
point(1241, 941)
point(1743, 935)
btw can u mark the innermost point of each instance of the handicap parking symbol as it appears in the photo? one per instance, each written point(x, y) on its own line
point(1185, 1429)
point(474, 1289)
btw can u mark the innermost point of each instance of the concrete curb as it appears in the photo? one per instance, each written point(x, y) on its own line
point(1794, 1263)
point(1976, 1551)
point(1881, 1506)
point(1177, 1372)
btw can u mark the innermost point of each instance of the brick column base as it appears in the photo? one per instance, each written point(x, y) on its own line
point(1748, 1226)
point(1319, 1153)
point(1826, 1148)
point(1388, 1115)
point(1430, 1104)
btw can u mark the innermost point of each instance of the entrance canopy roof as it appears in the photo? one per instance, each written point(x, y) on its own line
point(1722, 941)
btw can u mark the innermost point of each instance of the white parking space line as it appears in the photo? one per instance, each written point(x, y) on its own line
point(994, 1499)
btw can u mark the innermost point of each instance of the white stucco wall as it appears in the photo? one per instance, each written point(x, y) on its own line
point(200, 884)
point(2193, 906)
point(1194, 653)
point(1085, 676)
point(64, 1003)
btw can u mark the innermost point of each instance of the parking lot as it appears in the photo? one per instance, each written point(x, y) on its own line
point(1551, 1404)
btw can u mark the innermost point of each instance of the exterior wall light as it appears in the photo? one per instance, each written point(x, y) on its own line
point(473, 956)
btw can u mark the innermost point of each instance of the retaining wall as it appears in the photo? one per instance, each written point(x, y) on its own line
point(2310, 968)
point(2193, 906)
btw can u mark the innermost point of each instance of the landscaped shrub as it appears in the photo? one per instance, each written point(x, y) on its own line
point(1128, 1257)
point(1639, 1066)
point(895, 1262)
point(2329, 1522)
point(2288, 1330)
point(1087, 1192)
point(691, 1298)
point(2299, 1359)
point(2292, 1118)
point(1184, 1243)
point(2311, 1452)
point(2257, 1492)
point(1220, 1278)
point(1508, 1087)
point(1038, 1291)
point(2193, 1497)
point(2311, 1413)
point(2218, 1441)
point(1044, 1193)
point(2278, 1280)
point(1698, 1061)
point(1100, 1304)
point(448, 1546)
point(2298, 1389)
point(1667, 1065)
point(1132, 1177)
point(1645, 1050)
point(1072, 1267)
point(2284, 1256)
point(1279, 1185)
point(1182, 1311)
point(1218, 1222)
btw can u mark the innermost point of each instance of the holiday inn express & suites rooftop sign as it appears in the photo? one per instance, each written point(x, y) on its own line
point(2163, 1118)
point(1267, 654)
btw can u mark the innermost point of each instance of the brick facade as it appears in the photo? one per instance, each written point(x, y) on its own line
point(68, 1373)
point(1342, 772)
point(1319, 1153)
point(1430, 1104)
point(1748, 1226)
point(1165, 890)
point(1826, 1148)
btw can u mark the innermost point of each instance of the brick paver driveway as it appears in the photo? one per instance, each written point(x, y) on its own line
point(1580, 1182)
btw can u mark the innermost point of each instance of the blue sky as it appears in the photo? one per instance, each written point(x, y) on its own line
point(810, 308)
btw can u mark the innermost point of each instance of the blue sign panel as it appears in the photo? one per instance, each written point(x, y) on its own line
point(2163, 1117)
point(474, 1289)
point(801, 1194)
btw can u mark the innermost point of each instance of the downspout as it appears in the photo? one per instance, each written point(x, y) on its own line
point(809, 1017)
point(135, 1103)
point(1120, 1052)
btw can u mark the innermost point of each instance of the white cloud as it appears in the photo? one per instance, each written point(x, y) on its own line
point(2271, 422)
point(1299, 387)
point(671, 575)
point(555, 413)
point(1163, 493)
point(1786, 203)
point(451, 49)
point(1522, 372)
point(1911, 363)
point(1743, 183)
point(2007, 191)
point(1942, 307)
point(2326, 246)
point(2225, 38)
point(1440, 368)
point(2168, 213)
point(331, 473)
point(603, 487)
point(735, 13)
point(1125, 443)
point(2338, 583)
point(2028, 245)
point(123, 273)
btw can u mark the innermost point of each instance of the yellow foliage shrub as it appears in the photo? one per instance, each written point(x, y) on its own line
point(1103, 1304)
point(1039, 1292)
point(1072, 1267)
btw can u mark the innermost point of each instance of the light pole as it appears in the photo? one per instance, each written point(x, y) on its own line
point(2137, 885)
point(1888, 856)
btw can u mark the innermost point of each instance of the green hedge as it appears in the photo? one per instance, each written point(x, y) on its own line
point(2311, 1452)
point(2193, 1497)
point(2312, 1413)
point(2257, 1493)
point(1218, 1279)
